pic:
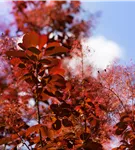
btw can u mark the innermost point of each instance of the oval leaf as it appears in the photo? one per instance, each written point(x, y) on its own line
point(58, 50)
point(56, 125)
point(32, 129)
point(34, 50)
point(30, 39)
point(42, 41)
point(67, 123)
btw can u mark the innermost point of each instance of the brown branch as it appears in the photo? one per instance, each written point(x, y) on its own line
point(83, 90)
point(37, 106)
point(118, 98)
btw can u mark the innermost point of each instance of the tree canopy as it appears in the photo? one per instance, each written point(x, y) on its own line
point(43, 106)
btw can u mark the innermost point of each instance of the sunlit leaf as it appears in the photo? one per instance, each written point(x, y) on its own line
point(30, 39)
point(32, 129)
point(42, 41)
point(57, 70)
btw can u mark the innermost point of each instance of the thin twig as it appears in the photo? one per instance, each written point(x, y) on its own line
point(22, 140)
point(130, 86)
point(124, 107)
point(115, 95)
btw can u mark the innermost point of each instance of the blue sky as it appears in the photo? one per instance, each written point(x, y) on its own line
point(116, 23)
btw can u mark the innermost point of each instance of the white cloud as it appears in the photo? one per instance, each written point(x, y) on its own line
point(103, 52)
point(19, 40)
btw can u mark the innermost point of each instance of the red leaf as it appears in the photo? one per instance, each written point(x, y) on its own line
point(16, 53)
point(34, 50)
point(53, 44)
point(58, 50)
point(56, 125)
point(68, 86)
point(67, 123)
point(57, 70)
point(30, 39)
point(22, 46)
point(15, 61)
point(5, 140)
point(32, 129)
point(12, 137)
point(42, 41)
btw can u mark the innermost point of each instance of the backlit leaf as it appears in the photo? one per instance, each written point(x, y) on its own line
point(42, 41)
point(30, 39)
point(57, 70)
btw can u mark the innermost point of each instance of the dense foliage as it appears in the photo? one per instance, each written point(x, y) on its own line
point(61, 20)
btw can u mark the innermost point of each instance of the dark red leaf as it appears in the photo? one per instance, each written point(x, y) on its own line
point(21, 65)
point(22, 46)
point(67, 123)
point(16, 53)
point(53, 51)
point(56, 125)
point(34, 50)
point(85, 136)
